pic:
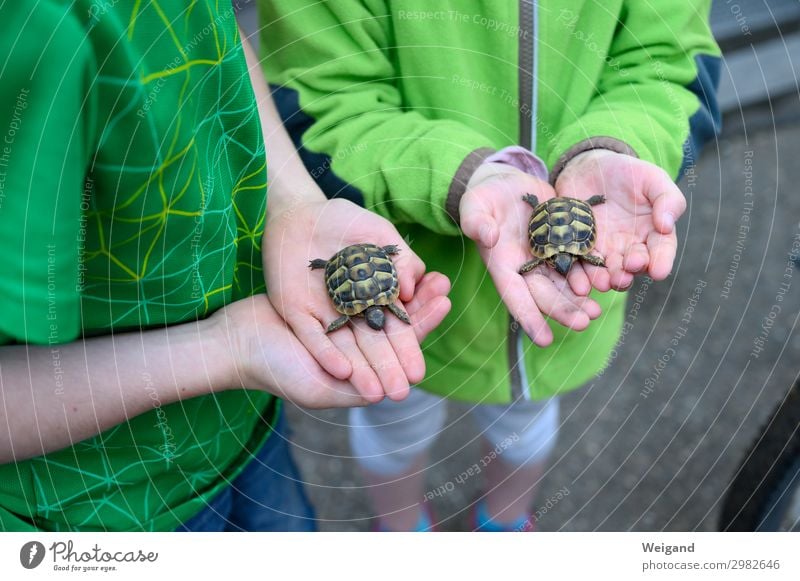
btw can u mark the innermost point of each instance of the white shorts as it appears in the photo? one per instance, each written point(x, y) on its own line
point(387, 437)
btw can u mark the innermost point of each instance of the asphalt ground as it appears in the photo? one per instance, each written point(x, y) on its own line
point(652, 443)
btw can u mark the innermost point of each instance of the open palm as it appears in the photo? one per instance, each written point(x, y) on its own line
point(494, 215)
point(377, 363)
point(636, 225)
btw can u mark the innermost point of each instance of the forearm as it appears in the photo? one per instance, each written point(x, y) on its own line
point(53, 397)
point(338, 92)
point(289, 181)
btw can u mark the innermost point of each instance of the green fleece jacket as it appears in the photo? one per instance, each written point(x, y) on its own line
point(394, 104)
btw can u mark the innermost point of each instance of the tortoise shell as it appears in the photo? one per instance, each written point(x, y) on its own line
point(562, 225)
point(361, 276)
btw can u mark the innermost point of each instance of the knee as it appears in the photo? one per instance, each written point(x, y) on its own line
point(524, 435)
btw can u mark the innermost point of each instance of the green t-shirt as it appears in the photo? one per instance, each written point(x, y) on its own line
point(132, 195)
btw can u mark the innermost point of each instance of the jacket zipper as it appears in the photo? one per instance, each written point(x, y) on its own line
point(527, 139)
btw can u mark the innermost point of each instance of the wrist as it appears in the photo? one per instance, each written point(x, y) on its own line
point(521, 159)
point(598, 144)
point(282, 199)
point(220, 346)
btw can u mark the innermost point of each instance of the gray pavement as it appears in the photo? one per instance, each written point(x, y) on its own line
point(652, 444)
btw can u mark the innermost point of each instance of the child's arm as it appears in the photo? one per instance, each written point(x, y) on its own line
point(54, 396)
point(335, 58)
point(407, 167)
point(303, 225)
point(658, 105)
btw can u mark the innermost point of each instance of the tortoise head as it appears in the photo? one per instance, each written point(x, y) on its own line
point(375, 317)
point(562, 262)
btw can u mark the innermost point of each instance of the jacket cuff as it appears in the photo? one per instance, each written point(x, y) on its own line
point(458, 184)
point(522, 159)
point(602, 142)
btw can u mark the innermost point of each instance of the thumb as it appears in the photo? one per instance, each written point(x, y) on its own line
point(477, 223)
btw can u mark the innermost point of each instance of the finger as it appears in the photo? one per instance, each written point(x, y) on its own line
point(560, 304)
point(323, 392)
point(477, 221)
point(515, 294)
point(591, 307)
point(618, 277)
point(662, 249)
point(598, 276)
point(636, 258)
point(562, 286)
point(578, 280)
point(311, 333)
point(363, 378)
point(410, 270)
point(382, 359)
point(429, 306)
point(406, 347)
point(432, 285)
point(429, 316)
point(667, 201)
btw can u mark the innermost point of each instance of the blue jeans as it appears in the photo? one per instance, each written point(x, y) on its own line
point(268, 495)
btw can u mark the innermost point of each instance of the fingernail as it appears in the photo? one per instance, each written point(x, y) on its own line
point(669, 220)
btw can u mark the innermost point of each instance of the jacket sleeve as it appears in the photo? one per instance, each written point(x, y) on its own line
point(336, 92)
point(659, 103)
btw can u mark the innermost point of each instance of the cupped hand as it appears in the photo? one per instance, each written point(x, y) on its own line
point(267, 355)
point(636, 224)
point(496, 218)
point(376, 363)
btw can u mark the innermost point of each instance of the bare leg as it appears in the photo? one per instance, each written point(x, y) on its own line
point(397, 499)
point(338, 324)
point(391, 249)
point(531, 199)
point(594, 200)
point(511, 489)
point(595, 260)
point(400, 313)
point(528, 266)
point(317, 263)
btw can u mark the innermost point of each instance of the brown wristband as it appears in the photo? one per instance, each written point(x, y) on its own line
point(458, 185)
point(602, 142)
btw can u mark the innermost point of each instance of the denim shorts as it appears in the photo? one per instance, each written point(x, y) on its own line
point(268, 495)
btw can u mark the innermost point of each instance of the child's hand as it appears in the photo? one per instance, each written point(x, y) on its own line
point(268, 356)
point(376, 363)
point(494, 215)
point(636, 225)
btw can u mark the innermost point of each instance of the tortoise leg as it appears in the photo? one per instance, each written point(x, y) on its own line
point(337, 324)
point(399, 313)
point(391, 249)
point(528, 266)
point(595, 200)
point(317, 263)
point(531, 199)
point(595, 260)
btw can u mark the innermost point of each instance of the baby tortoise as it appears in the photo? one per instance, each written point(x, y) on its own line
point(562, 230)
point(361, 280)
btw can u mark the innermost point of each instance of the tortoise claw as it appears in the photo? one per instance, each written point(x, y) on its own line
point(317, 263)
point(337, 324)
point(531, 199)
point(595, 260)
point(595, 200)
point(529, 266)
point(391, 249)
point(399, 313)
